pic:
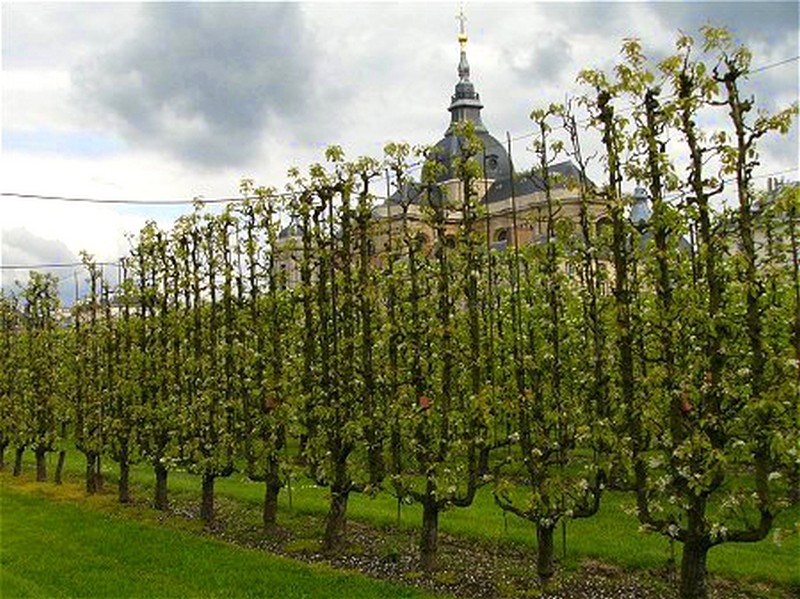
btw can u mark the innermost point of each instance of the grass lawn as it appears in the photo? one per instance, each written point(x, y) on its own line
point(612, 535)
point(56, 549)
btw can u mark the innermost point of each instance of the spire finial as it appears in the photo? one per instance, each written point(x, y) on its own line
point(463, 65)
point(462, 33)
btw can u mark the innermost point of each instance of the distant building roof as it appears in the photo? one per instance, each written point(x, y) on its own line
point(530, 182)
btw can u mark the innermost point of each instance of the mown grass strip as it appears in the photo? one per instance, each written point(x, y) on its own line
point(51, 549)
point(613, 535)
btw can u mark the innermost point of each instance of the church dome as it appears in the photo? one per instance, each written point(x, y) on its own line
point(494, 159)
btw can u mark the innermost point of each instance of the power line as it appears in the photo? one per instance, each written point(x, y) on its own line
point(53, 265)
point(81, 264)
point(34, 196)
point(774, 64)
point(413, 167)
point(732, 179)
point(57, 198)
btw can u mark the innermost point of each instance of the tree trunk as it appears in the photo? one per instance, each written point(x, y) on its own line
point(91, 473)
point(545, 555)
point(207, 502)
point(336, 522)
point(273, 488)
point(794, 483)
point(41, 464)
point(693, 569)
point(98, 474)
point(18, 461)
point(377, 467)
point(161, 472)
point(123, 486)
point(58, 477)
point(429, 540)
point(3, 455)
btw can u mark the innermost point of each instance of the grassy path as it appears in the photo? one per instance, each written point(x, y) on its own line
point(56, 549)
point(613, 535)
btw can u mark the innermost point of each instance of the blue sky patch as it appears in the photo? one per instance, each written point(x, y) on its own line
point(67, 143)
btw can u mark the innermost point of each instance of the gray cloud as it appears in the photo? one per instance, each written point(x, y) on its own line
point(769, 29)
point(749, 21)
point(21, 247)
point(50, 35)
point(213, 84)
point(587, 17)
point(775, 149)
point(547, 61)
point(204, 81)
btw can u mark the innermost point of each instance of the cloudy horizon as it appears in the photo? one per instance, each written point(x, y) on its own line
point(173, 101)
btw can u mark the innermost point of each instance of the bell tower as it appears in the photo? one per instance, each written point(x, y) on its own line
point(465, 104)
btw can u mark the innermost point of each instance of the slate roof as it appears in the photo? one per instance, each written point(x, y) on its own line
point(494, 160)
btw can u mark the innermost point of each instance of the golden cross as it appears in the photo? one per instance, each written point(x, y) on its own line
point(461, 17)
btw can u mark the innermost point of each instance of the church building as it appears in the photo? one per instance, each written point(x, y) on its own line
point(510, 199)
point(501, 190)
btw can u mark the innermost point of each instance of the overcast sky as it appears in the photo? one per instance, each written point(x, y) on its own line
point(172, 101)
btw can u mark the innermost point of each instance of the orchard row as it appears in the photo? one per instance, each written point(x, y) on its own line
point(660, 356)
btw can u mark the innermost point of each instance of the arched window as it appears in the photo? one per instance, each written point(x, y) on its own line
point(501, 235)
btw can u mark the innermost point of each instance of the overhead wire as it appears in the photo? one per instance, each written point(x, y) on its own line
point(199, 199)
point(772, 65)
point(203, 201)
point(47, 265)
point(682, 194)
point(81, 264)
